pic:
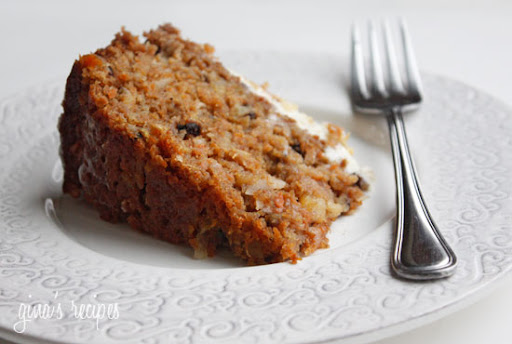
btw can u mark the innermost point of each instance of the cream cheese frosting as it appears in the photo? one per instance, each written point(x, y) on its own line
point(335, 154)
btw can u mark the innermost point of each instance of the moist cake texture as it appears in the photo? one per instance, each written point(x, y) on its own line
point(158, 133)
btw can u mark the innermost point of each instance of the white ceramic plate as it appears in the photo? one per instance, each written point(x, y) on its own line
point(55, 252)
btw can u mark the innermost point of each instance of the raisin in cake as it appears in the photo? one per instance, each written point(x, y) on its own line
point(158, 133)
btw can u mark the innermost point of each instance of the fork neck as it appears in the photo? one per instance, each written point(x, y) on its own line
point(394, 111)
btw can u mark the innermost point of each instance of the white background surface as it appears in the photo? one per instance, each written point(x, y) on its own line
point(469, 41)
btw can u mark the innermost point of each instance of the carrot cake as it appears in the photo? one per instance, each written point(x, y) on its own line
point(159, 134)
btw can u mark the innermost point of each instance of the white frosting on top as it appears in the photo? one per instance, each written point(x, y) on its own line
point(339, 153)
point(335, 154)
point(304, 121)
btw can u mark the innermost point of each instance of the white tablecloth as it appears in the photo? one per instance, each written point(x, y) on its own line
point(466, 40)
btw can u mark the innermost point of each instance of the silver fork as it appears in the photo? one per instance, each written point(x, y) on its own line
point(420, 251)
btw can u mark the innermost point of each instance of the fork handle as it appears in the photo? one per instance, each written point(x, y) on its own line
point(420, 251)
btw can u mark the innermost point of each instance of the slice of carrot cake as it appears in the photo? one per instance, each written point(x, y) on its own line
point(160, 134)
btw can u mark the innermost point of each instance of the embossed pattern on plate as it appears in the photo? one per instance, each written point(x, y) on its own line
point(346, 292)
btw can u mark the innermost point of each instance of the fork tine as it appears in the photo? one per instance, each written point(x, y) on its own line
point(395, 80)
point(376, 67)
point(357, 70)
point(413, 75)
